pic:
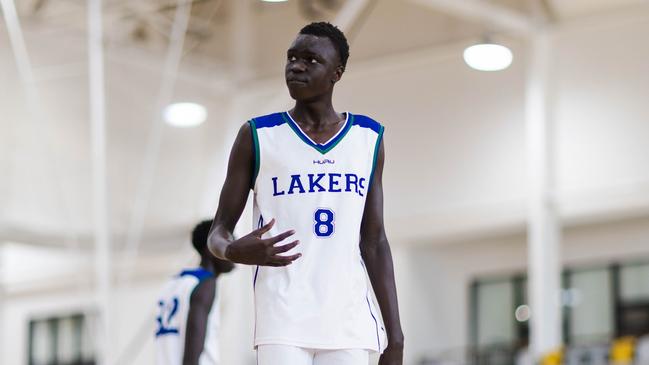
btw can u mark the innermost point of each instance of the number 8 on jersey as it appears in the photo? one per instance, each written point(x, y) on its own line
point(324, 222)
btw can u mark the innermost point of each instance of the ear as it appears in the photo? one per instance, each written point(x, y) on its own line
point(338, 74)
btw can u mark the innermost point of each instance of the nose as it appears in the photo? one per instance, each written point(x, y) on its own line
point(296, 66)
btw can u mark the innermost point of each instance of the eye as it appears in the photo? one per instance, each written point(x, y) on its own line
point(292, 58)
point(313, 60)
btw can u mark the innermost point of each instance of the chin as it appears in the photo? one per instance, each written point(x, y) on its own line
point(301, 95)
point(296, 94)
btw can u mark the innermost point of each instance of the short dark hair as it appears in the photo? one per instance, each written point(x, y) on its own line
point(335, 35)
point(199, 235)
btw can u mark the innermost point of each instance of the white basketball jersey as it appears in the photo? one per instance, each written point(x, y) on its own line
point(322, 300)
point(173, 308)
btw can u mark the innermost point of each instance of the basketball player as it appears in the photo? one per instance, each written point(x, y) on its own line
point(316, 176)
point(188, 318)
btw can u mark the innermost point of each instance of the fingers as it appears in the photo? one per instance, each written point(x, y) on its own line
point(283, 260)
point(284, 248)
point(280, 237)
point(263, 229)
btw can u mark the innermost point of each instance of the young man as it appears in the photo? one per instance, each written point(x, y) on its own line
point(188, 318)
point(316, 175)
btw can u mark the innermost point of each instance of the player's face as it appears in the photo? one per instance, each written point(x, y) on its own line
point(312, 67)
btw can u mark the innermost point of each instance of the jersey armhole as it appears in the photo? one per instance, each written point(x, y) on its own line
point(200, 282)
point(376, 155)
point(255, 146)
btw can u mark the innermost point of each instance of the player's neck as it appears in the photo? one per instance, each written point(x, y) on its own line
point(315, 114)
point(207, 265)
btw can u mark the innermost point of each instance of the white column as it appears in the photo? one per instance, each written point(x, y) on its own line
point(543, 226)
point(2, 305)
point(99, 188)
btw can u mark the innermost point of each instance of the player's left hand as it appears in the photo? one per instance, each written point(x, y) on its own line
point(392, 355)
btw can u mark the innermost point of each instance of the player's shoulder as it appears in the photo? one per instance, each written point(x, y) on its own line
point(364, 121)
point(198, 273)
point(268, 120)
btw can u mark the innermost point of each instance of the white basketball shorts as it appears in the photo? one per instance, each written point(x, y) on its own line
point(292, 355)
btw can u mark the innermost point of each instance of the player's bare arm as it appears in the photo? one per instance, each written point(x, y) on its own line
point(376, 253)
point(200, 305)
point(250, 249)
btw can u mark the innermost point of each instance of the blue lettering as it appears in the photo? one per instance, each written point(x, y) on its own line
point(314, 183)
point(296, 183)
point(334, 183)
point(275, 192)
point(322, 182)
point(351, 179)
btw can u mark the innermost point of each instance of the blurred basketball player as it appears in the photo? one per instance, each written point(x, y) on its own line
point(317, 176)
point(188, 319)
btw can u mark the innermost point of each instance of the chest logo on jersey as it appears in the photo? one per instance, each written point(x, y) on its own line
point(324, 162)
point(319, 183)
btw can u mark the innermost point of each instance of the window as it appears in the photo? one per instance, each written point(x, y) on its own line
point(633, 302)
point(634, 283)
point(499, 321)
point(65, 340)
point(599, 304)
point(495, 317)
point(590, 309)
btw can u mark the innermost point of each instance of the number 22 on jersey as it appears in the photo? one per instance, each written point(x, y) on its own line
point(168, 311)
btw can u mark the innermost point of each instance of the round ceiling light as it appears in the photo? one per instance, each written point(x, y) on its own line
point(184, 115)
point(488, 57)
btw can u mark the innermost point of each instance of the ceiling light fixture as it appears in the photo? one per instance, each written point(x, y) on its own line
point(488, 56)
point(184, 115)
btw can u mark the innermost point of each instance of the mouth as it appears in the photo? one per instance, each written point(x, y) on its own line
point(296, 82)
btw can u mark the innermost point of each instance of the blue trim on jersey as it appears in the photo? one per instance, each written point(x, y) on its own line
point(376, 323)
point(322, 148)
point(199, 273)
point(260, 224)
point(364, 121)
point(376, 155)
point(269, 121)
point(255, 146)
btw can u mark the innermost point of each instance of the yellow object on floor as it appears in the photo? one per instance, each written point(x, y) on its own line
point(622, 350)
point(552, 358)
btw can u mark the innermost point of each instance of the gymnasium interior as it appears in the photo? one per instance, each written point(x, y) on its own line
point(516, 192)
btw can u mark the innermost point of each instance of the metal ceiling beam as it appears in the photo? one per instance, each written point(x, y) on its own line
point(165, 94)
point(42, 131)
point(348, 15)
point(483, 11)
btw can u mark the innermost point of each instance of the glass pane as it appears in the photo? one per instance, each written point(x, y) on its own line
point(42, 343)
point(591, 312)
point(68, 349)
point(495, 313)
point(634, 283)
point(88, 331)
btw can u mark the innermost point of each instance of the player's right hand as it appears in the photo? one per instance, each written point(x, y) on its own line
point(251, 249)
